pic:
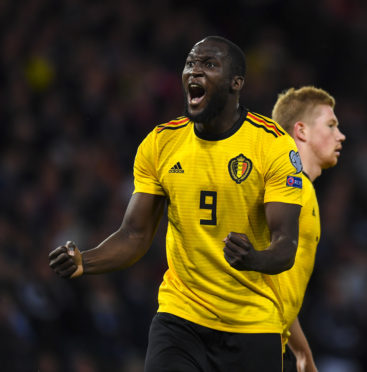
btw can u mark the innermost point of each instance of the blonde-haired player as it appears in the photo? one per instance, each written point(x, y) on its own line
point(307, 114)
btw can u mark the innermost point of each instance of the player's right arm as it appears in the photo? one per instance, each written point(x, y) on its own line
point(121, 249)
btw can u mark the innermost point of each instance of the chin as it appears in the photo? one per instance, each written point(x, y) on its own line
point(194, 113)
point(330, 164)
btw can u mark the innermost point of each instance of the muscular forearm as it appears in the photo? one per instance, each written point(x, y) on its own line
point(282, 220)
point(131, 241)
point(241, 255)
point(121, 249)
point(118, 251)
point(278, 257)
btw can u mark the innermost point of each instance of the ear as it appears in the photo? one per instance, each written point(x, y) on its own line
point(300, 131)
point(237, 83)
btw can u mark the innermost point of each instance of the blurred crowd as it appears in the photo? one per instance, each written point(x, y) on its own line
point(82, 83)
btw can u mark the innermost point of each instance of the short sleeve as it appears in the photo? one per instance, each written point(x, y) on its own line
point(283, 172)
point(145, 170)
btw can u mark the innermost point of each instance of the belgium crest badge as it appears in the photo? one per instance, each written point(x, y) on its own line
point(239, 168)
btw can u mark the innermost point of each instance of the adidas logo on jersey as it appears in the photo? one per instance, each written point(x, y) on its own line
point(176, 168)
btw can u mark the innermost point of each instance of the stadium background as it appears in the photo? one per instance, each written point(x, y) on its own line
point(82, 82)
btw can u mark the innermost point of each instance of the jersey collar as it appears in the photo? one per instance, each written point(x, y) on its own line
point(228, 133)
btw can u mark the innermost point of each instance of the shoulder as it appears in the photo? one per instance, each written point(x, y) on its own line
point(264, 125)
point(163, 134)
point(272, 136)
point(172, 125)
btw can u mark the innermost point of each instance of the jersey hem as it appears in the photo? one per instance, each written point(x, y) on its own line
point(153, 192)
point(224, 328)
point(283, 200)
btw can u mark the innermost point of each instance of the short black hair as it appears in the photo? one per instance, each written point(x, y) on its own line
point(238, 59)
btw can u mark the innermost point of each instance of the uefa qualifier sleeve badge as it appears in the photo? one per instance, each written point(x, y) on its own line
point(293, 181)
point(296, 160)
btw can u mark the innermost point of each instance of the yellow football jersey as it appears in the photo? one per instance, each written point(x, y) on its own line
point(215, 185)
point(293, 283)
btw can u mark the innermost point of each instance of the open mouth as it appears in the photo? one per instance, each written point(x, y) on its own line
point(196, 94)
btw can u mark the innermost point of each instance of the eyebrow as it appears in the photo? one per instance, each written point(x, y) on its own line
point(333, 121)
point(203, 59)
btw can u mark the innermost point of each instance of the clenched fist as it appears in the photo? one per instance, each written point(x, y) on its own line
point(239, 252)
point(66, 261)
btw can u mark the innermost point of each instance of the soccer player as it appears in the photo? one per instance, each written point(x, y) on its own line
point(231, 179)
point(307, 114)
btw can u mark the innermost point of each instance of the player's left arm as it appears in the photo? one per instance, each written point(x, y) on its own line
point(282, 219)
point(301, 349)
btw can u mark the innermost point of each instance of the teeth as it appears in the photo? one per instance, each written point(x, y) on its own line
point(196, 87)
point(196, 93)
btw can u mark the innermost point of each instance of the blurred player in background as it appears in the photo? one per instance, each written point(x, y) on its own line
point(307, 114)
point(231, 181)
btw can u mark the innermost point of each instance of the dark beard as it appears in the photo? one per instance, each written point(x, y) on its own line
point(214, 107)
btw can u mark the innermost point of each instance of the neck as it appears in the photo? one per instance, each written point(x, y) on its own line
point(220, 123)
point(310, 166)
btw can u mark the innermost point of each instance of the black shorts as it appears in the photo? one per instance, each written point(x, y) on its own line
point(178, 345)
point(289, 361)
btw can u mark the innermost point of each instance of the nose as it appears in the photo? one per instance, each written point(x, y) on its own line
point(341, 136)
point(196, 69)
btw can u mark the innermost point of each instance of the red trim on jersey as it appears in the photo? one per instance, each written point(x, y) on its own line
point(272, 126)
point(178, 122)
point(171, 124)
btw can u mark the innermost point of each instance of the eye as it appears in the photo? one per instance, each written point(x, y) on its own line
point(190, 64)
point(209, 64)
